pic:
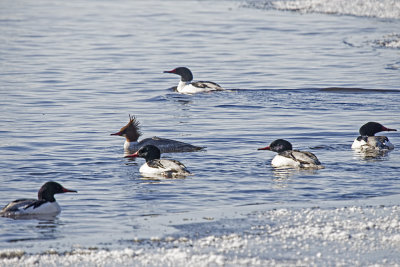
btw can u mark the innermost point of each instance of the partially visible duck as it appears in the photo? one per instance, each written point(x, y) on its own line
point(46, 204)
point(132, 132)
point(368, 141)
point(186, 86)
point(155, 166)
point(287, 157)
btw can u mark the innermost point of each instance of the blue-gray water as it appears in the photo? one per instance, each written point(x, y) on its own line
point(72, 71)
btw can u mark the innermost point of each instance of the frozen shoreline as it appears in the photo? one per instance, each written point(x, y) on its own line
point(385, 9)
point(361, 234)
point(74, 71)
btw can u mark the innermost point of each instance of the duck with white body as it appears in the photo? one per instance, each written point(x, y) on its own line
point(186, 86)
point(287, 157)
point(46, 204)
point(367, 141)
point(156, 167)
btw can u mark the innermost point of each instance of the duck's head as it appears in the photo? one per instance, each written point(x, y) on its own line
point(131, 131)
point(185, 73)
point(278, 145)
point(148, 152)
point(49, 189)
point(371, 128)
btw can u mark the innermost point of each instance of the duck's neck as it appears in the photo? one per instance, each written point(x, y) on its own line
point(132, 134)
point(131, 145)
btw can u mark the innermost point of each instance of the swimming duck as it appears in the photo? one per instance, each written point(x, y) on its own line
point(132, 132)
point(155, 166)
point(287, 157)
point(45, 204)
point(186, 86)
point(368, 141)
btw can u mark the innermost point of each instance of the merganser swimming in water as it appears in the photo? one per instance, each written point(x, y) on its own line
point(131, 132)
point(368, 141)
point(287, 157)
point(45, 204)
point(185, 85)
point(155, 166)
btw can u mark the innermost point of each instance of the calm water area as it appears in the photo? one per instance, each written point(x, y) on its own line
point(72, 71)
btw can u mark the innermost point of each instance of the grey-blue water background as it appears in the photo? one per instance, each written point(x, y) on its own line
point(72, 71)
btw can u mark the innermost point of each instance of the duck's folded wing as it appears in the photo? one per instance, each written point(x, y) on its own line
point(172, 165)
point(305, 157)
point(168, 168)
point(205, 84)
point(168, 145)
point(35, 204)
point(165, 164)
point(180, 164)
point(18, 204)
point(380, 142)
point(156, 164)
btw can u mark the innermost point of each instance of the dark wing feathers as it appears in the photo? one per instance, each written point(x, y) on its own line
point(168, 145)
point(171, 167)
point(35, 204)
point(179, 164)
point(155, 163)
point(303, 157)
point(205, 84)
point(17, 204)
point(311, 158)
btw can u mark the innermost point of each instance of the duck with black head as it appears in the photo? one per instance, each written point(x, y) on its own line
point(367, 141)
point(46, 204)
point(287, 157)
point(132, 132)
point(186, 86)
point(155, 167)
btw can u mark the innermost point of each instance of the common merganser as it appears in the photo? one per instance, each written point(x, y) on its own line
point(287, 157)
point(185, 86)
point(45, 204)
point(132, 132)
point(368, 141)
point(155, 166)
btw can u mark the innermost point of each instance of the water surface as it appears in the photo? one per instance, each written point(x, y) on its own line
point(71, 73)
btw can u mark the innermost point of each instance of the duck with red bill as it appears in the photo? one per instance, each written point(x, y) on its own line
point(287, 157)
point(46, 204)
point(367, 141)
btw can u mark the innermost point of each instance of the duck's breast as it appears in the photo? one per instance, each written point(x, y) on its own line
point(359, 142)
point(283, 161)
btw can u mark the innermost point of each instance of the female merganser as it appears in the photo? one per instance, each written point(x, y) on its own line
point(287, 157)
point(368, 141)
point(131, 132)
point(155, 166)
point(45, 204)
point(185, 85)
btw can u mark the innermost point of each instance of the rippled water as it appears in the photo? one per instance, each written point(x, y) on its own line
point(71, 72)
